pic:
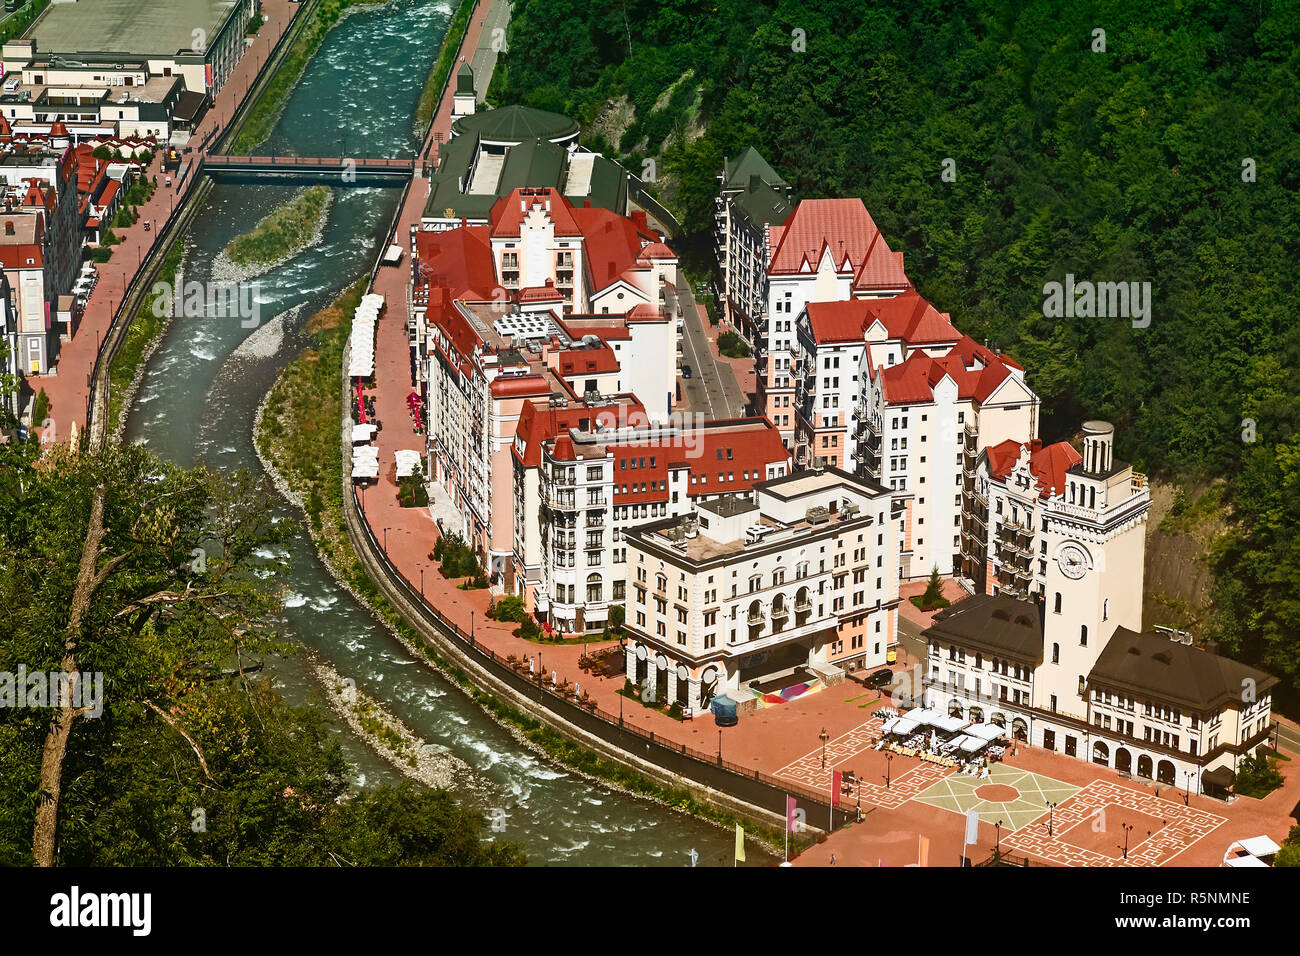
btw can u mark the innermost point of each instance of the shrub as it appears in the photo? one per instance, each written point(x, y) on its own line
point(1257, 776)
point(732, 345)
point(509, 608)
point(41, 407)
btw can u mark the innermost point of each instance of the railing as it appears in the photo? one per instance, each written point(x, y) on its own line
point(332, 162)
point(747, 784)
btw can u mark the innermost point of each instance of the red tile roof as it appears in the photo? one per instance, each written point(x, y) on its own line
point(509, 212)
point(1048, 464)
point(520, 386)
point(837, 321)
point(912, 319)
point(539, 293)
point(845, 229)
point(539, 423)
point(458, 260)
point(747, 445)
point(588, 361)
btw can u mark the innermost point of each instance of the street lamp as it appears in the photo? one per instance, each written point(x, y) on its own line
point(719, 746)
point(997, 839)
point(824, 737)
point(471, 627)
point(421, 582)
point(1127, 828)
point(889, 766)
point(1187, 792)
point(385, 541)
point(1051, 809)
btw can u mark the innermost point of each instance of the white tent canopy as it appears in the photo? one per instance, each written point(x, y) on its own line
point(408, 462)
point(986, 731)
point(948, 725)
point(1258, 846)
point(362, 433)
point(1246, 861)
point(921, 715)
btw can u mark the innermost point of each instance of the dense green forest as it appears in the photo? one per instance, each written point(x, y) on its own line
point(1163, 149)
point(149, 576)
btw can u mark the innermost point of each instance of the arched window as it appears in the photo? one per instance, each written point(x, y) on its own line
point(1105, 608)
point(1056, 605)
point(1056, 653)
point(1092, 497)
point(595, 588)
point(1083, 635)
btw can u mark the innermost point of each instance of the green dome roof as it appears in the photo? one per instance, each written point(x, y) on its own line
point(515, 124)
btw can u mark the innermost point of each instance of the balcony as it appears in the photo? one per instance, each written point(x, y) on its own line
point(780, 612)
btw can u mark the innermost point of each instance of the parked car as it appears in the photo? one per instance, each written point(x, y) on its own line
point(881, 678)
point(686, 371)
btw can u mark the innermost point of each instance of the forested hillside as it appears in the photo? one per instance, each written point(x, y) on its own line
point(1164, 151)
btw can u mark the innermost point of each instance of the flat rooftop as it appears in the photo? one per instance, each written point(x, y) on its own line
point(159, 27)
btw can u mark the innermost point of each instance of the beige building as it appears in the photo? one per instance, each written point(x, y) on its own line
point(747, 596)
point(1054, 650)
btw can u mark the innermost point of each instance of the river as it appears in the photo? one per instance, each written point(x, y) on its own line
point(196, 405)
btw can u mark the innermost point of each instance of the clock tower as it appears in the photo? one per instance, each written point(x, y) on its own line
point(1094, 532)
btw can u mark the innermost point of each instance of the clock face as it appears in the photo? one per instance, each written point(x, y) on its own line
point(1073, 561)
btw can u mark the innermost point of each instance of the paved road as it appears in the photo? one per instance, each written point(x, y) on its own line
point(484, 58)
point(1288, 738)
point(712, 389)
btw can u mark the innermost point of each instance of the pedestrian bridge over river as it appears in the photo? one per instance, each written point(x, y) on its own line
point(335, 170)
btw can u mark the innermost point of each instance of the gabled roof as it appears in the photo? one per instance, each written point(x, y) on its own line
point(837, 321)
point(587, 361)
point(538, 423)
point(911, 382)
point(509, 212)
point(1046, 463)
point(912, 319)
point(842, 227)
point(994, 624)
point(749, 163)
point(1149, 665)
point(458, 260)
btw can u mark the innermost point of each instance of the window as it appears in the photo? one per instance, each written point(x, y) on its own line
point(1083, 635)
point(1056, 607)
point(1056, 653)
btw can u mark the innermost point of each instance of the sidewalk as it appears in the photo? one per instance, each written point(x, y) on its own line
point(69, 388)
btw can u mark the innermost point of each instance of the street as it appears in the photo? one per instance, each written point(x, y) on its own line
point(712, 388)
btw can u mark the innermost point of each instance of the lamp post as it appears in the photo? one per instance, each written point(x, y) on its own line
point(421, 582)
point(385, 541)
point(997, 839)
point(1187, 790)
point(824, 737)
point(1051, 809)
point(719, 746)
point(1127, 828)
point(889, 766)
point(471, 627)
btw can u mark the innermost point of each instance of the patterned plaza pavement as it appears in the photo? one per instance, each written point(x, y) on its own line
point(1010, 795)
point(1091, 828)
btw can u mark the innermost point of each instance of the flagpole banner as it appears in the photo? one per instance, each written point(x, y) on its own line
point(923, 851)
point(836, 784)
point(790, 818)
point(740, 843)
point(972, 826)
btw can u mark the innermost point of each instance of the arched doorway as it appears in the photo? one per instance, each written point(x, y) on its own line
point(1144, 767)
point(954, 708)
point(1123, 761)
point(1165, 771)
point(1020, 729)
point(975, 715)
point(1000, 719)
point(1101, 754)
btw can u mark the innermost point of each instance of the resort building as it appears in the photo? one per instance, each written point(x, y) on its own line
point(595, 477)
point(828, 250)
point(752, 199)
point(199, 41)
point(751, 594)
point(1055, 651)
point(495, 152)
point(548, 305)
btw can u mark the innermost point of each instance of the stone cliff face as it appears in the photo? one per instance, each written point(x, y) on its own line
point(1180, 535)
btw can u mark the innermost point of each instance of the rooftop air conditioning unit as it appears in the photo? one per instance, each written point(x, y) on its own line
point(818, 514)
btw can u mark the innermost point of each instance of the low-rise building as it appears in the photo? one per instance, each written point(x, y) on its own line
point(746, 595)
